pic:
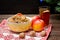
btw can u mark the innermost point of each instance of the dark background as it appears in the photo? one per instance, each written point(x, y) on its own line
point(14, 6)
point(23, 6)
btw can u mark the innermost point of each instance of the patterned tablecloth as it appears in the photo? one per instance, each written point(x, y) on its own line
point(6, 34)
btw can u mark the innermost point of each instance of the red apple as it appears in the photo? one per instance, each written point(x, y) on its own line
point(38, 25)
point(35, 18)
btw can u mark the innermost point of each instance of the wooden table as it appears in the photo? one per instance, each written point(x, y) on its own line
point(54, 19)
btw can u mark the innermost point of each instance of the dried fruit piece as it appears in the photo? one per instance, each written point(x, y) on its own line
point(19, 14)
point(22, 35)
point(43, 33)
point(32, 33)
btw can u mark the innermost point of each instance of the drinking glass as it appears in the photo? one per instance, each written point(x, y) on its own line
point(44, 13)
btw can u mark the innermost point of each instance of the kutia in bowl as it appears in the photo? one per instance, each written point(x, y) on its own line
point(19, 23)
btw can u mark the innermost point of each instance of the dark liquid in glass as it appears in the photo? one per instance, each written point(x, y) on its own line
point(45, 16)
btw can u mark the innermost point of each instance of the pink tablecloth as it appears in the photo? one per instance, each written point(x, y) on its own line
point(6, 34)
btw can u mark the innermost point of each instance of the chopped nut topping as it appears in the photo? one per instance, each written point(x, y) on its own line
point(19, 19)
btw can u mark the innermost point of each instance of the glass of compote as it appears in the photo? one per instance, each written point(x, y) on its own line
point(44, 13)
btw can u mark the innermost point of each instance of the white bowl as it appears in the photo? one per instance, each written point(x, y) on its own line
point(19, 27)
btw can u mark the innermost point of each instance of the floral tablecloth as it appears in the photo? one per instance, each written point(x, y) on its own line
point(6, 34)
